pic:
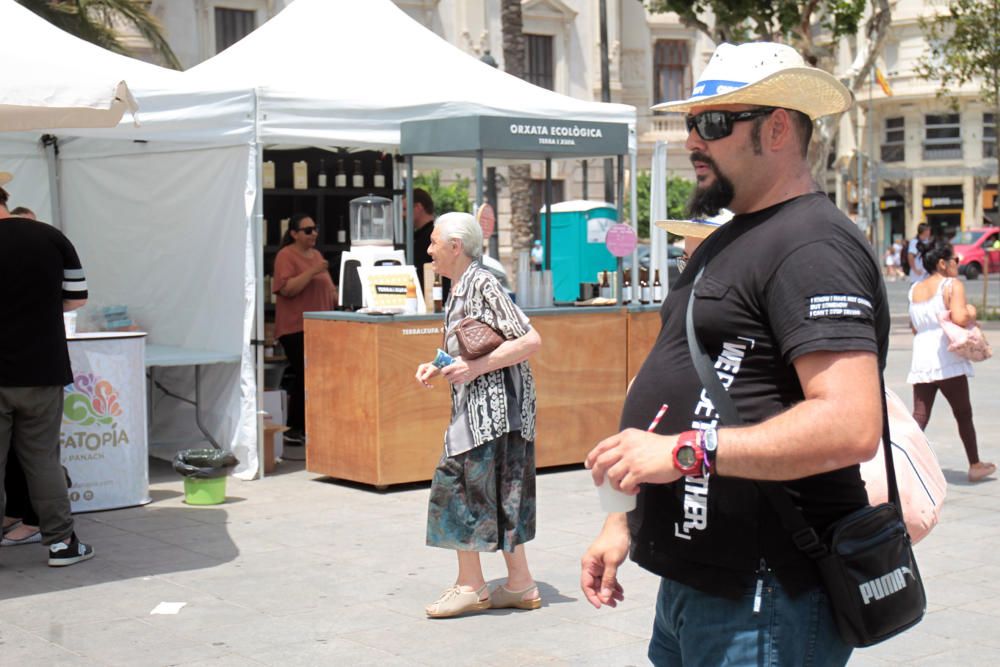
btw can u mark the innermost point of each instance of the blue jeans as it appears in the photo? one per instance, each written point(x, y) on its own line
point(694, 628)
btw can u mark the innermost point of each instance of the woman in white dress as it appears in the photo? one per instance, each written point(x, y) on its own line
point(934, 367)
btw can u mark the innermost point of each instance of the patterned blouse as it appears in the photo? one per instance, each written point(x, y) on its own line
point(500, 401)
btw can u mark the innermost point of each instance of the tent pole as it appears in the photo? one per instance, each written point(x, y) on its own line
point(634, 199)
point(258, 223)
point(51, 144)
point(491, 198)
point(479, 180)
point(620, 205)
point(257, 235)
point(409, 209)
point(548, 215)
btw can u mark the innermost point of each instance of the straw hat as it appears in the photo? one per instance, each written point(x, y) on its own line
point(765, 74)
point(5, 178)
point(696, 228)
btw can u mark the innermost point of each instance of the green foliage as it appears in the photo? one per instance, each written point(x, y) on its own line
point(744, 20)
point(678, 192)
point(964, 46)
point(446, 198)
point(94, 21)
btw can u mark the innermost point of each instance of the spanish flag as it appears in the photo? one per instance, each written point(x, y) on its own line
point(882, 82)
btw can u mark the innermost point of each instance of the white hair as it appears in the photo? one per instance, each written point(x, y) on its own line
point(464, 228)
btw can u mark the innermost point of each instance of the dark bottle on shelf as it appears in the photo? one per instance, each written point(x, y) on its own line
point(340, 179)
point(657, 288)
point(321, 176)
point(627, 288)
point(378, 180)
point(341, 230)
point(438, 292)
point(605, 286)
point(643, 287)
point(358, 179)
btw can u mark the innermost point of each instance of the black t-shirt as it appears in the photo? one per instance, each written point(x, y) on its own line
point(39, 268)
point(795, 278)
point(421, 242)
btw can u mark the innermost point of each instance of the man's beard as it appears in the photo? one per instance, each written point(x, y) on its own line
point(706, 202)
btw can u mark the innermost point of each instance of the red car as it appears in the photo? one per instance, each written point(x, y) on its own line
point(975, 248)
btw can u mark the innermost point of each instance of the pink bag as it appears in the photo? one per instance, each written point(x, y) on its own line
point(921, 483)
point(967, 342)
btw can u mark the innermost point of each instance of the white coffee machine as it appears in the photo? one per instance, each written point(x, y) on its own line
point(371, 226)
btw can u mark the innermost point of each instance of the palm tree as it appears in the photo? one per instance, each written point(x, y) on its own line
point(518, 176)
point(96, 20)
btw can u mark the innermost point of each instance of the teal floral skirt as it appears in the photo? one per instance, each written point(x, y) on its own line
point(484, 499)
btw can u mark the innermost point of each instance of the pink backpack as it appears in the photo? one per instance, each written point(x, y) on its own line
point(921, 483)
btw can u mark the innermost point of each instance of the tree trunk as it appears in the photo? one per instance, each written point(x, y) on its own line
point(518, 176)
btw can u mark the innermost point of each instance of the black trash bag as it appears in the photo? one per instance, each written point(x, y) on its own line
point(204, 463)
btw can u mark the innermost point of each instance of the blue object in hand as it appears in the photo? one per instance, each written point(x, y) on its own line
point(442, 359)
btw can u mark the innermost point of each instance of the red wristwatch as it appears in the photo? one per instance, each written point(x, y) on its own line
point(688, 456)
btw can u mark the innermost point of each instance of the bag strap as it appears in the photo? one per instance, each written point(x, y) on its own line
point(792, 519)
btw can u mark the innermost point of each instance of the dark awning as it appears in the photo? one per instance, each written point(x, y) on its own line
point(512, 138)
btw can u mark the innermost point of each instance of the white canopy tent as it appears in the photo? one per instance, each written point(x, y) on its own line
point(169, 241)
point(166, 215)
point(347, 73)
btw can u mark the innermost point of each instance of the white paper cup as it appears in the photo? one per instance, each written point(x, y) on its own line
point(612, 500)
point(69, 321)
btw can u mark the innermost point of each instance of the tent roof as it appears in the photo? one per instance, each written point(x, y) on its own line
point(345, 73)
point(84, 86)
point(52, 90)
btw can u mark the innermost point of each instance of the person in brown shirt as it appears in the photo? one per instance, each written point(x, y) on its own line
point(302, 283)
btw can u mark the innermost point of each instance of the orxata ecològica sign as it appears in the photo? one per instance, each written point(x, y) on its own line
point(499, 136)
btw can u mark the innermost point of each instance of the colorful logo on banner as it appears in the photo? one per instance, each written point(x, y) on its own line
point(91, 404)
point(90, 400)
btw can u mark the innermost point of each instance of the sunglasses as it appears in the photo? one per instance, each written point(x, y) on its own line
point(307, 230)
point(712, 125)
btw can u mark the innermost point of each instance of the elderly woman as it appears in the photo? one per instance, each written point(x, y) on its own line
point(483, 492)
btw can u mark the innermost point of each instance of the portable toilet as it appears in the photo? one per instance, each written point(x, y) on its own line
point(579, 228)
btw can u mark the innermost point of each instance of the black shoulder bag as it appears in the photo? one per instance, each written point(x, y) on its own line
point(865, 559)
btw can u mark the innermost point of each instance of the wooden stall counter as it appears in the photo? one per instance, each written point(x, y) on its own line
point(643, 328)
point(369, 421)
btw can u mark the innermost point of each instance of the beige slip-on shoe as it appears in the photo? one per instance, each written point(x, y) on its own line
point(501, 598)
point(455, 602)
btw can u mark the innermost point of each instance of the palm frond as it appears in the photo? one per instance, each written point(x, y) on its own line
point(95, 20)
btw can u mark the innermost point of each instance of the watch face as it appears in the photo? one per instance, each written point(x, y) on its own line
point(686, 456)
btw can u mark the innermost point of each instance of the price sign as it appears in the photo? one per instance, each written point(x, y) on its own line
point(621, 240)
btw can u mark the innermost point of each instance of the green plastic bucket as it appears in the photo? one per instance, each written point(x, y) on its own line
point(204, 491)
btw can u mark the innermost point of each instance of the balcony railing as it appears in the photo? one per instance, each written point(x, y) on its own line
point(668, 124)
point(892, 153)
point(945, 152)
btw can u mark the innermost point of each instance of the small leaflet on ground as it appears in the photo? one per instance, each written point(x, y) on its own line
point(167, 608)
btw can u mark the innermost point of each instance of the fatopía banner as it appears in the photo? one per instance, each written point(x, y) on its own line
point(103, 435)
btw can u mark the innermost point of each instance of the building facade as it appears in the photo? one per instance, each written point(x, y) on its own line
point(935, 159)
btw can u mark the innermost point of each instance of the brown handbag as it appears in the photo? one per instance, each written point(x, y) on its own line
point(476, 338)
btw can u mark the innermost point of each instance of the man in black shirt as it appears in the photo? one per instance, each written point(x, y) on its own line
point(792, 309)
point(423, 225)
point(40, 278)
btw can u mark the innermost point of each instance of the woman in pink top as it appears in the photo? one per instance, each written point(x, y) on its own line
point(302, 282)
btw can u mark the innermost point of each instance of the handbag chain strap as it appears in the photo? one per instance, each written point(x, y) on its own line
point(792, 519)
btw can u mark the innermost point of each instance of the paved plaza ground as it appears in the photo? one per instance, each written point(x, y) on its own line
point(302, 570)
